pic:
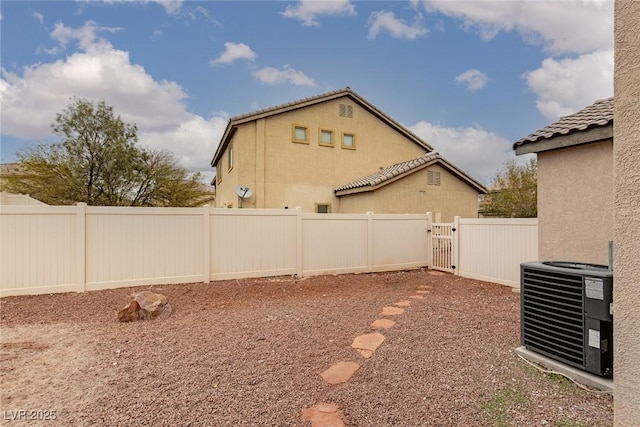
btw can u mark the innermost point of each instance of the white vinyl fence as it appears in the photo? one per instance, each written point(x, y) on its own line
point(46, 249)
point(492, 249)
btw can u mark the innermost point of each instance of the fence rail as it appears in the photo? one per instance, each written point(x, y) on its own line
point(46, 249)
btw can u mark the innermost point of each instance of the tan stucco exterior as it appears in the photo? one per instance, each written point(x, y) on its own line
point(282, 172)
point(575, 203)
point(412, 194)
point(626, 290)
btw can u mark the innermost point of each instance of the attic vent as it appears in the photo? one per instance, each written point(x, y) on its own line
point(433, 178)
point(346, 110)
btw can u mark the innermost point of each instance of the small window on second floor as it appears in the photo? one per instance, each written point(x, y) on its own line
point(300, 134)
point(231, 155)
point(326, 138)
point(349, 141)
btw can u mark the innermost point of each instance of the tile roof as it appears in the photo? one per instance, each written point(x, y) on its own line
point(290, 104)
point(393, 171)
point(599, 114)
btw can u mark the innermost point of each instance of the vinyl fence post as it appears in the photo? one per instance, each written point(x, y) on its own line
point(429, 241)
point(206, 243)
point(456, 246)
point(370, 241)
point(299, 271)
point(81, 247)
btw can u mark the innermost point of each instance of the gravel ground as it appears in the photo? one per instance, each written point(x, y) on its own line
point(249, 352)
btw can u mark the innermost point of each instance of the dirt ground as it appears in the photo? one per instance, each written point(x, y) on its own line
point(250, 353)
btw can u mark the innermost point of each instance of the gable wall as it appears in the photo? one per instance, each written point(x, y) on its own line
point(412, 195)
point(575, 203)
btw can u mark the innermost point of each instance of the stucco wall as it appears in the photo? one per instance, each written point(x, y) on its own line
point(626, 291)
point(305, 174)
point(283, 173)
point(575, 203)
point(412, 195)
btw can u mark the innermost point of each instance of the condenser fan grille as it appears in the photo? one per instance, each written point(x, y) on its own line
point(553, 315)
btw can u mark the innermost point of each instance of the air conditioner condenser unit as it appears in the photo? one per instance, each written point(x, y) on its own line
point(566, 310)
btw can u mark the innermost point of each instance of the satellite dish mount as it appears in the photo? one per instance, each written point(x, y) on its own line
point(242, 192)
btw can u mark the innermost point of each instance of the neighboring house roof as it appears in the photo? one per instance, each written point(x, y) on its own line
point(305, 102)
point(394, 172)
point(591, 124)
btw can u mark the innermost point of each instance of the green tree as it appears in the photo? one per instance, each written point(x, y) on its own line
point(98, 161)
point(514, 191)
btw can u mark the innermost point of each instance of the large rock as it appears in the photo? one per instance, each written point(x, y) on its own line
point(145, 305)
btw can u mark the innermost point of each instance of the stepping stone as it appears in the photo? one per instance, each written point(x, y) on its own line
point(436, 273)
point(392, 311)
point(367, 344)
point(341, 372)
point(423, 291)
point(403, 303)
point(383, 324)
point(416, 297)
point(324, 415)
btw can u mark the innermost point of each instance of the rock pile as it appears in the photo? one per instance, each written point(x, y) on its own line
point(145, 305)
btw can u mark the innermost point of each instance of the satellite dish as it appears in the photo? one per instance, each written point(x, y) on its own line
point(242, 192)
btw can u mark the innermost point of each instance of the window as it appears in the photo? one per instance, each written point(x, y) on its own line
point(433, 178)
point(326, 138)
point(230, 155)
point(345, 111)
point(300, 134)
point(323, 207)
point(349, 141)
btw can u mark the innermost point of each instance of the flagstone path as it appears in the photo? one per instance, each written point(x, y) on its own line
point(329, 414)
point(324, 415)
point(367, 344)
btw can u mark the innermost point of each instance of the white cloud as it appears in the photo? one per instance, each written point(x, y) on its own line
point(38, 17)
point(475, 151)
point(170, 6)
point(568, 85)
point(387, 21)
point(193, 141)
point(273, 76)
point(86, 36)
point(31, 99)
point(234, 52)
point(308, 10)
point(473, 79)
point(199, 10)
point(571, 26)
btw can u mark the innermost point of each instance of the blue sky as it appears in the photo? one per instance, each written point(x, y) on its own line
point(469, 77)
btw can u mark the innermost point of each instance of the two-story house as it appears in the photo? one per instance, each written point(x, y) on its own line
point(336, 152)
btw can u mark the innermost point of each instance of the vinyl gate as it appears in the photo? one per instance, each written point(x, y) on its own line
point(442, 247)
